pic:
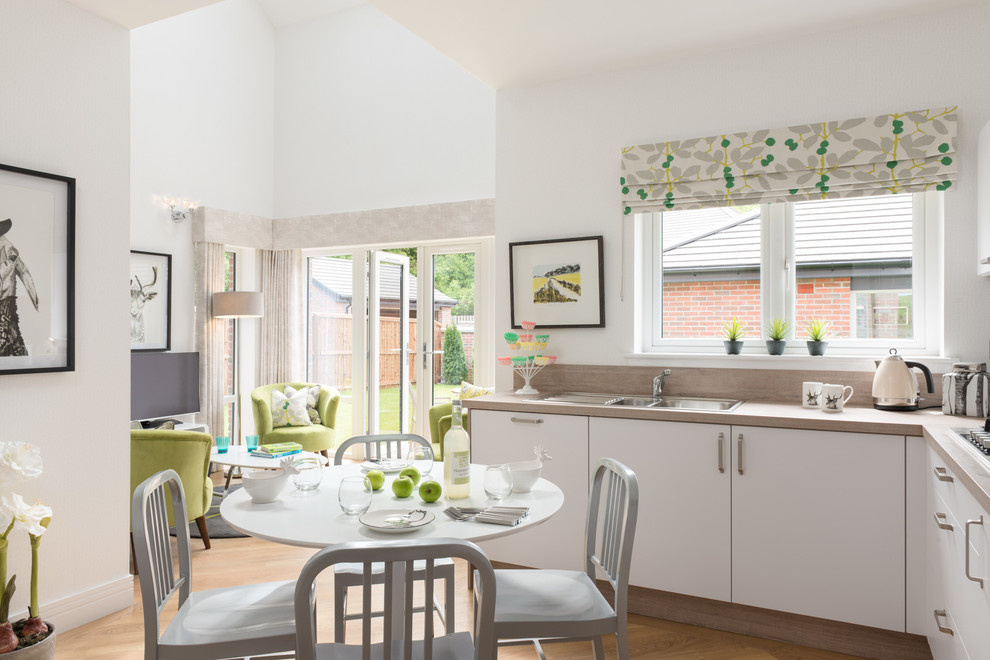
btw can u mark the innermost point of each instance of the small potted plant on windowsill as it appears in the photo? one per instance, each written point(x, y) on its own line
point(818, 330)
point(777, 331)
point(733, 331)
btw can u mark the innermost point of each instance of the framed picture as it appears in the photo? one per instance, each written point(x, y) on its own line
point(557, 284)
point(37, 271)
point(151, 301)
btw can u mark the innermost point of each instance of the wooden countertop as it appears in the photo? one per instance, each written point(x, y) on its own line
point(963, 459)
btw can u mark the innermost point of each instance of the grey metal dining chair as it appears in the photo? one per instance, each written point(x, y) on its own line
point(389, 554)
point(534, 606)
point(387, 446)
point(229, 622)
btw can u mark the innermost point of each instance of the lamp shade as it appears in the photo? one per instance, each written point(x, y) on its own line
point(238, 305)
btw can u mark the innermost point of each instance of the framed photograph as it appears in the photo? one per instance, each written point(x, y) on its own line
point(557, 284)
point(151, 301)
point(37, 271)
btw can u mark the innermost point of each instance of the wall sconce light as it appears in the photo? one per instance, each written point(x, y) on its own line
point(180, 208)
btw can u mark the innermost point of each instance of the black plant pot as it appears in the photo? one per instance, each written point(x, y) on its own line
point(776, 346)
point(733, 346)
point(817, 347)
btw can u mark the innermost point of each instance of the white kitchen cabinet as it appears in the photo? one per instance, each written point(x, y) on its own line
point(506, 437)
point(818, 524)
point(683, 533)
point(955, 567)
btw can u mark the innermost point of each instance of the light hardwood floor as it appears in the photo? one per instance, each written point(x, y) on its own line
point(237, 561)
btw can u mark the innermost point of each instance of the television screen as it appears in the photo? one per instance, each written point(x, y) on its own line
point(164, 384)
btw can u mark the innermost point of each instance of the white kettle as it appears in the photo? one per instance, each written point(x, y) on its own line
point(894, 384)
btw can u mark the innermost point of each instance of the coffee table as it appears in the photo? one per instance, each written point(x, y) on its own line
point(239, 457)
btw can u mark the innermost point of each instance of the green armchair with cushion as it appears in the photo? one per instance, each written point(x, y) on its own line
point(440, 415)
point(313, 437)
point(186, 452)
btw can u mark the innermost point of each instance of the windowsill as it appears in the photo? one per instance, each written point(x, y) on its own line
point(795, 362)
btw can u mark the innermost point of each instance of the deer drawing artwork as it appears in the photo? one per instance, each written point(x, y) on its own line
point(140, 295)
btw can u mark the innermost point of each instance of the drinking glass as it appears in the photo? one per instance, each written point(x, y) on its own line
point(354, 495)
point(497, 482)
point(422, 457)
point(308, 473)
point(252, 442)
point(222, 443)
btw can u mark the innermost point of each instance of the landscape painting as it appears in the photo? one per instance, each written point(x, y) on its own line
point(557, 283)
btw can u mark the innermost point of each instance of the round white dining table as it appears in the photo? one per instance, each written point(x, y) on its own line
point(314, 518)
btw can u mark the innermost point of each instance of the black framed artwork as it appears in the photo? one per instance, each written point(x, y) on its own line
point(37, 271)
point(558, 283)
point(151, 301)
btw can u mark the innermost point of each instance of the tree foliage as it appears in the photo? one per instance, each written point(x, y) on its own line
point(454, 364)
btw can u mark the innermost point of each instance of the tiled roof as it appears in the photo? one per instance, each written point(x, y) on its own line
point(846, 231)
point(335, 275)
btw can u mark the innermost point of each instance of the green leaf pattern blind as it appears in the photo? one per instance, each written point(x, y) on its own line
point(892, 153)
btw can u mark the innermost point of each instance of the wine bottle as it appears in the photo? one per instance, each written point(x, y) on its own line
point(456, 457)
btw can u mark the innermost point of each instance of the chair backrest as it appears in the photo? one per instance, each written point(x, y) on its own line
point(611, 526)
point(186, 452)
point(393, 553)
point(389, 445)
point(160, 577)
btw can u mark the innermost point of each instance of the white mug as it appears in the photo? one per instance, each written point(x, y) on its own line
point(832, 397)
point(811, 394)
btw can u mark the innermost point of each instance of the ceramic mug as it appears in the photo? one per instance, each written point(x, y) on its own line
point(832, 397)
point(811, 394)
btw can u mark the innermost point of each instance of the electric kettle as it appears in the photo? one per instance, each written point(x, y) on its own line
point(894, 384)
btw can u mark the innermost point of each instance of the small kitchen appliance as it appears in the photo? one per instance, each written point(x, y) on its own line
point(895, 387)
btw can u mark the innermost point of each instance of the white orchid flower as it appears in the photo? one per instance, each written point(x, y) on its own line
point(18, 460)
point(29, 517)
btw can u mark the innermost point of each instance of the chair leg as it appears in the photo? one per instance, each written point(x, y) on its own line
point(203, 531)
point(339, 611)
point(622, 643)
point(134, 566)
point(600, 649)
point(325, 453)
point(448, 604)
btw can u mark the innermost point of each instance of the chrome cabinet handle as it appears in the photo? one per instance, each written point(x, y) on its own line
point(942, 474)
point(978, 521)
point(721, 448)
point(938, 623)
point(522, 420)
point(739, 454)
point(940, 521)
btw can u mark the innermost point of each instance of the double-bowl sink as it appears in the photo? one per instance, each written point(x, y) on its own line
point(681, 402)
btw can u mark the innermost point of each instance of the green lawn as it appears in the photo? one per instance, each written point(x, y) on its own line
point(388, 414)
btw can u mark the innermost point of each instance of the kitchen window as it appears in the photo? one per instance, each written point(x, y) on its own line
point(867, 265)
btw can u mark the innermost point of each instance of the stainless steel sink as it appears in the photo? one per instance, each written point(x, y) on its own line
point(633, 401)
point(697, 403)
point(682, 402)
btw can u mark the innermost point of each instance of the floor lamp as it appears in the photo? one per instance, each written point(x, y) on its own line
point(237, 305)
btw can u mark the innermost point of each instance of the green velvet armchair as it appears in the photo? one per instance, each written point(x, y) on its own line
point(440, 415)
point(186, 452)
point(315, 438)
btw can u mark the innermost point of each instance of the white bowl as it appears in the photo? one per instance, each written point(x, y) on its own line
point(524, 475)
point(264, 485)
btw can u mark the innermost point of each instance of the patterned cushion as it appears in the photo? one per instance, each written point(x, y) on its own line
point(165, 426)
point(289, 410)
point(469, 391)
point(312, 398)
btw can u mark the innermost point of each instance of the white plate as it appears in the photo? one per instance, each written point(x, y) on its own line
point(386, 465)
point(396, 520)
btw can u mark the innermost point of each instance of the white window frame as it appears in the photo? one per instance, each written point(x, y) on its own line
point(777, 288)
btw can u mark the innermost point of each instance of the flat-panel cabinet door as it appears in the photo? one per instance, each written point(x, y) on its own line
point(683, 533)
point(818, 524)
point(506, 437)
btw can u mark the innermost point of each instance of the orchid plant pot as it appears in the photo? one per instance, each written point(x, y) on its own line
point(776, 346)
point(817, 347)
point(733, 346)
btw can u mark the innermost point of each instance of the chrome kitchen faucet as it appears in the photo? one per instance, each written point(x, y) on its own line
point(658, 383)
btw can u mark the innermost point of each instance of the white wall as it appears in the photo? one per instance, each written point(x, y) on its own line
point(368, 116)
point(202, 118)
point(65, 110)
point(559, 144)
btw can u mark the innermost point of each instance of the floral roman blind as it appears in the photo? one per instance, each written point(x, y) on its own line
point(892, 153)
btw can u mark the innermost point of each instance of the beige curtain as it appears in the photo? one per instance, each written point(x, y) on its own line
point(210, 335)
point(282, 339)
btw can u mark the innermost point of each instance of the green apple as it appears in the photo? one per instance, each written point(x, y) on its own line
point(412, 472)
point(403, 487)
point(429, 491)
point(377, 479)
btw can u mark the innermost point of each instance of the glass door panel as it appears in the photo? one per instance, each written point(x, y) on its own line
point(389, 337)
